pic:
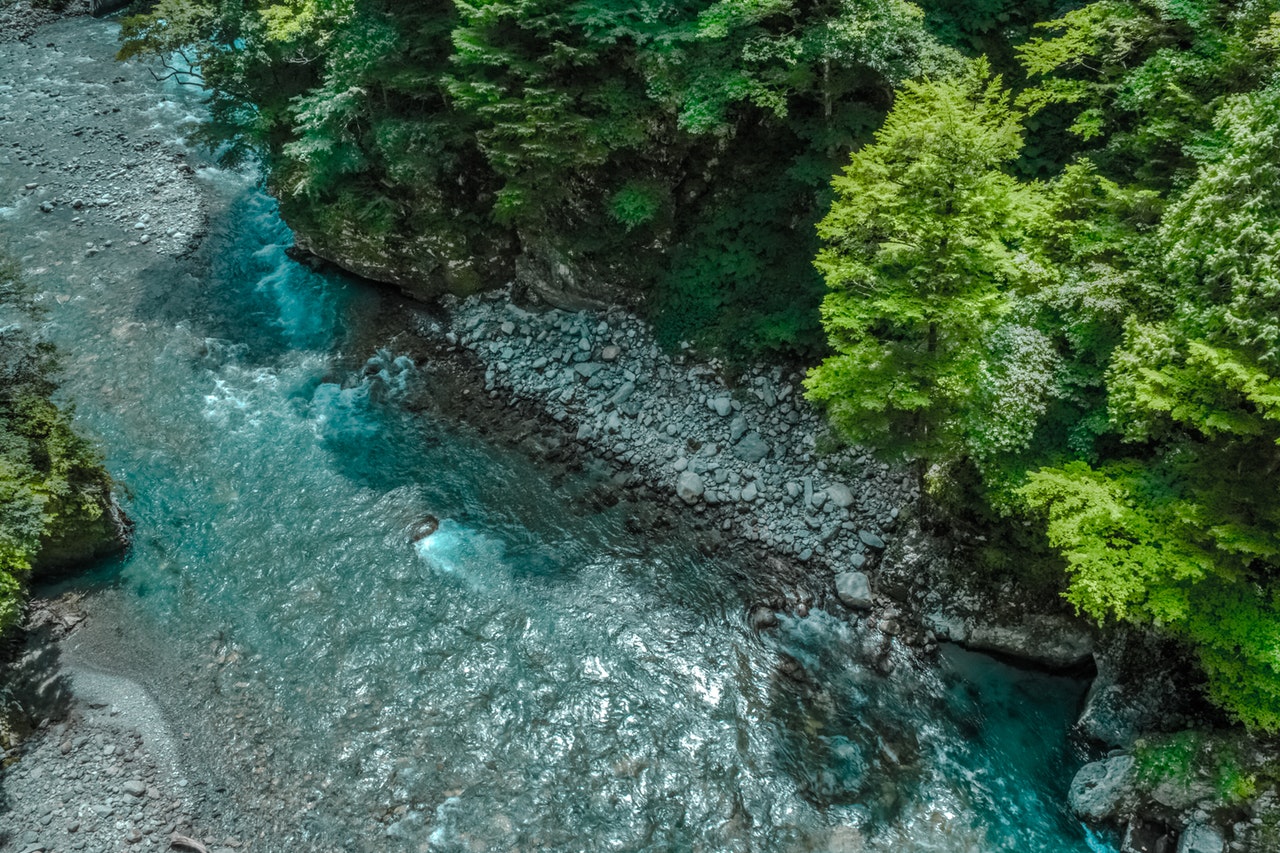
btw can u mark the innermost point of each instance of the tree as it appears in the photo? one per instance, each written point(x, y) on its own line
point(1186, 531)
point(926, 247)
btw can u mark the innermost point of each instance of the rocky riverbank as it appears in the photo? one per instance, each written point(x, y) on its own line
point(95, 766)
point(751, 460)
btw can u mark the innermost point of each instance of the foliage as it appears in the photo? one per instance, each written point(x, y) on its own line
point(50, 478)
point(1181, 758)
point(624, 135)
point(924, 246)
point(1126, 309)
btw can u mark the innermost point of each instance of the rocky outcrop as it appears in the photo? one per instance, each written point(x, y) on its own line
point(1144, 684)
point(79, 540)
point(1057, 642)
point(1104, 789)
point(563, 281)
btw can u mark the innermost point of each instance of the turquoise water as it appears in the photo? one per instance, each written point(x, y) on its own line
point(532, 677)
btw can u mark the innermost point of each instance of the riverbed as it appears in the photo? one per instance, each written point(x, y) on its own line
point(538, 674)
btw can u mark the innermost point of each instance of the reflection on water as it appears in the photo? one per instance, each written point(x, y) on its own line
point(530, 676)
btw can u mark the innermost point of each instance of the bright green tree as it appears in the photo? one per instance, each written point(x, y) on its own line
point(1187, 534)
point(926, 248)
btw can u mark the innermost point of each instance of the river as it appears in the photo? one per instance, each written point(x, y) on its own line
point(533, 677)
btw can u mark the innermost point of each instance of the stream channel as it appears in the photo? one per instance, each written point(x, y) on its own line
point(538, 678)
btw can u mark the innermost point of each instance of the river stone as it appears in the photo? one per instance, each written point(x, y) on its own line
point(737, 428)
point(623, 394)
point(752, 448)
point(722, 406)
point(854, 590)
point(767, 396)
point(587, 369)
point(134, 787)
point(1199, 838)
point(1102, 789)
point(610, 353)
point(871, 540)
point(858, 560)
point(689, 487)
point(840, 495)
point(750, 492)
point(1053, 641)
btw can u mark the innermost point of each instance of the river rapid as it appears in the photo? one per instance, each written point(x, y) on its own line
point(536, 675)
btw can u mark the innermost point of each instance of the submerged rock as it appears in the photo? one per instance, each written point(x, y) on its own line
point(424, 528)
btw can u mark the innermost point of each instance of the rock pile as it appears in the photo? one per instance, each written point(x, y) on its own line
point(89, 783)
point(742, 454)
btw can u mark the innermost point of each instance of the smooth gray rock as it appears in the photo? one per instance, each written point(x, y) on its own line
point(854, 590)
point(587, 369)
point(689, 487)
point(737, 428)
point(723, 406)
point(610, 353)
point(752, 448)
point(1054, 641)
point(767, 396)
point(1199, 838)
point(623, 394)
point(871, 540)
point(134, 787)
point(1102, 789)
point(840, 495)
point(750, 492)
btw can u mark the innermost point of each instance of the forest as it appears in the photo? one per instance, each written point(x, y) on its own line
point(1032, 246)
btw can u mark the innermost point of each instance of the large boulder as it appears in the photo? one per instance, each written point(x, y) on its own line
point(689, 487)
point(1199, 838)
point(854, 590)
point(751, 448)
point(1057, 642)
point(1145, 683)
point(1101, 791)
point(840, 495)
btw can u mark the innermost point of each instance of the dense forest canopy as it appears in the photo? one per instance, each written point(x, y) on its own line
point(1049, 253)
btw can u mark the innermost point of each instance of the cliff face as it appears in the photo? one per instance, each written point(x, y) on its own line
point(422, 259)
point(426, 261)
